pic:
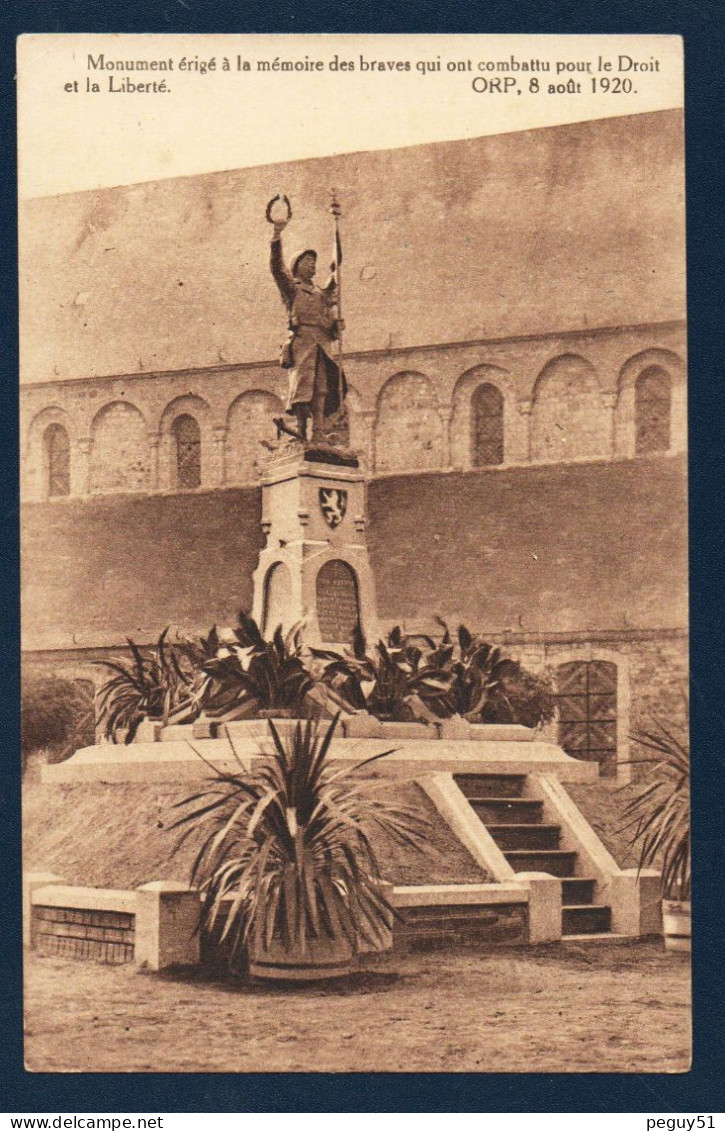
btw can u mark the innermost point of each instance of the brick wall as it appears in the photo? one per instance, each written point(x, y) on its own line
point(500, 924)
point(96, 571)
point(552, 549)
point(106, 936)
point(658, 680)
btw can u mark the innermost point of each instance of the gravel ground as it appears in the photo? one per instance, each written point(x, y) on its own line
point(589, 1008)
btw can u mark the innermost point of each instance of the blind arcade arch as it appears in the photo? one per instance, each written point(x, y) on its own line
point(277, 598)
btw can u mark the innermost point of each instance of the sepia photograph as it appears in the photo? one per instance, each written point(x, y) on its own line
point(353, 436)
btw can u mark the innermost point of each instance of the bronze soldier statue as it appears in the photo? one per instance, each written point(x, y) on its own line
point(317, 385)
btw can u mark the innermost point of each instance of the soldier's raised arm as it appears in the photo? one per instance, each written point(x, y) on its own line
point(280, 274)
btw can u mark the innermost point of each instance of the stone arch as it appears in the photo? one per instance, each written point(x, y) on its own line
point(172, 476)
point(120, 450)
point(569, 419)
point(463, 416)
point(408, 425)
point(670, 369)
point(249, 427)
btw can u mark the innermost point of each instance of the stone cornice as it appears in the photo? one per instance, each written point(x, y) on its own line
point(362, 355)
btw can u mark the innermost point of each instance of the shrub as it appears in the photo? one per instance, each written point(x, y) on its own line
point(522, 697)
point(58, 716)
point(415, 677)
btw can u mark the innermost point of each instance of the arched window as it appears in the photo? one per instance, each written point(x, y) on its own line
point(587, 702)
point(57, 454)
point(188, 451)
point(652, 402)
point(486, 427)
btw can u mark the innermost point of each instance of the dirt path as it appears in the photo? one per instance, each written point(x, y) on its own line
point(594, 1008)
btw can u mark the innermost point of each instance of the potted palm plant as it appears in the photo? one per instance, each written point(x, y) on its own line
point(291, 885)
point(658, 819)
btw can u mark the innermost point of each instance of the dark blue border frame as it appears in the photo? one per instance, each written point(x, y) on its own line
point(701, 1090)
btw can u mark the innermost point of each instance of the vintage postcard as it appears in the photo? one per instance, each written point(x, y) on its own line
point(354, 600)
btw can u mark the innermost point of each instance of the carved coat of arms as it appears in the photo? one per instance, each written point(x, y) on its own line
point(333, 504)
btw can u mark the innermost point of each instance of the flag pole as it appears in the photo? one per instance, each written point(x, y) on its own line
point(336, 213)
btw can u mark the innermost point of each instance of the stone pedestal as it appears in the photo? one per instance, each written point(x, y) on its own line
point(315, 566)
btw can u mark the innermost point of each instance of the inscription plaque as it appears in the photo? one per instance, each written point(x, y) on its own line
point(338, 605)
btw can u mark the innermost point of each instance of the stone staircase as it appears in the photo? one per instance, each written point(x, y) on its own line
point(515, 822)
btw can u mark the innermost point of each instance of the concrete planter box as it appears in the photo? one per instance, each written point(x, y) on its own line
point(205, 728)
point(398, 731)
point(501, 732)
point(361, 725)
point(677, 924)
point(150, 730)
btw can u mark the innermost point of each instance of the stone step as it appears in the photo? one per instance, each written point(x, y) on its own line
point(532, 837)
point(507, 810)
point(587, 919)
point(600, 937)
point(556, 863)
point(490, 785)
point(577, 891)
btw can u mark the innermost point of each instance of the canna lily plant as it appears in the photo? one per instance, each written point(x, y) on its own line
point(394, 680)
point(414, 677)
point(242, 674)
point(286, 860)
point(151, 685)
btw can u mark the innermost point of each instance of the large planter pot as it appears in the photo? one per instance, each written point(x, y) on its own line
point(323, 958)
point(677, 925)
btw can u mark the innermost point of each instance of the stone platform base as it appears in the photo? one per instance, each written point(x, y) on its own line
point(180, 757)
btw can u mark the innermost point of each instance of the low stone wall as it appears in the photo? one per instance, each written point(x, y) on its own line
point(154, 926)
point(444, 915)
